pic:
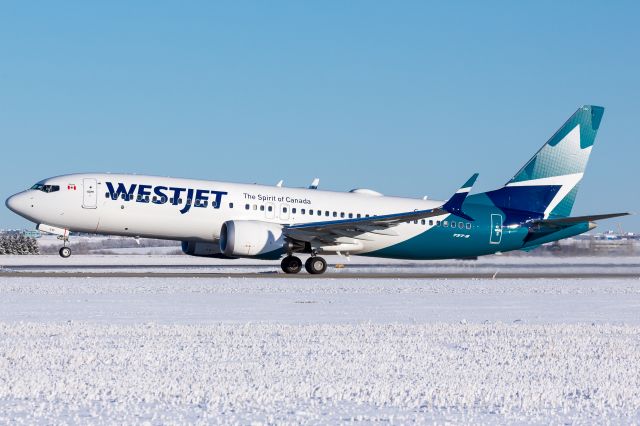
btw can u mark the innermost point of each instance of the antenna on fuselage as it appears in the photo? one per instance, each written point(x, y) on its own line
point(279, 184)
point(315, 183)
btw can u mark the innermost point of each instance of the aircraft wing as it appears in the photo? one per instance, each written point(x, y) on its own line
point(330, 231)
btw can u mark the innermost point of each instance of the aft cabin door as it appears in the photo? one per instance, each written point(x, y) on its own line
point(89, 193)
point(496, 229)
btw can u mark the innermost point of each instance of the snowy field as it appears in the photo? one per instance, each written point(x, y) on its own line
point(318, 351)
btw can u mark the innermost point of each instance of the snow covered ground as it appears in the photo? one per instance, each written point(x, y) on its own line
point(243, 350)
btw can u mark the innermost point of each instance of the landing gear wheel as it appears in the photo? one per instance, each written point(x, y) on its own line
point(291, 265)
point(315, 265)
point(65, 252)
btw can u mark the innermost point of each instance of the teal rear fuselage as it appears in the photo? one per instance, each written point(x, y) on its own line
point(490, 233)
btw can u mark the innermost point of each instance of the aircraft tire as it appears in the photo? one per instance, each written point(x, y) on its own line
point(291, 265)
point(315, 265)
point(65, 252)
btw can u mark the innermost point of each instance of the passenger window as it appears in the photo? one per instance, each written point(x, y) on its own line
point(284, 210)
point(453, 224)
point(230, 205)
point(106, 195)
point(293, 210)
point(335, 214)
point(255, 207)
point(468, 226)
point(310, 212)
point(423, 222)
point(350, 215)
point(261, 208)
point(366, 215)
point(303, 211)
point(415, 222)
point(154, 199)
point(445, 224)
point(213, 204)
point(319, 212)
point(247, 206)
point(326, 213)
point(461, 225)
point(341, 214)
point(437, 223)
point(270, 208)
point(359, 216)
point(430, 222)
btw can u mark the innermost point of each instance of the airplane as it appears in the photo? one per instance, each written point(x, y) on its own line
point(233, 220)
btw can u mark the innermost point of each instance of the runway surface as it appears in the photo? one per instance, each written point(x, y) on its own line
point(497, 268)
point(303, 276)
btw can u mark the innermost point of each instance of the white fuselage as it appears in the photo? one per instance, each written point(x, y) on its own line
point(166, 208)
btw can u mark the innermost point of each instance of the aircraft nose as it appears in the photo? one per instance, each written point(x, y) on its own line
point(16, 203)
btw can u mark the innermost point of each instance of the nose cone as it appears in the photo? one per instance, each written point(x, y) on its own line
point(17, 203)
point(12, 203)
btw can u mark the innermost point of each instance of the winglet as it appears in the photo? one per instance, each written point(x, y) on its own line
point(454, 205)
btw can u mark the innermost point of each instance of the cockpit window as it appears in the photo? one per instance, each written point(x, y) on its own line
point(46, 188)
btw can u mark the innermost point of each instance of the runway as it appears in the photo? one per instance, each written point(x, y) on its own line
point(179, 267)
point(330, 275)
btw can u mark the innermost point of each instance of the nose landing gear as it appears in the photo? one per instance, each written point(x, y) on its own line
point(65, 252)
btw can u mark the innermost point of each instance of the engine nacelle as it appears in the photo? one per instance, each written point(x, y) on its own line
point(252, 238)
point(201, 249)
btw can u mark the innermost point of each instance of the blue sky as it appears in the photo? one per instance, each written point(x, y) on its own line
point(407, 98)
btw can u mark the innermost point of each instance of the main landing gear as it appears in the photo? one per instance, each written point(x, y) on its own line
point(291, 264)
point(315, 265)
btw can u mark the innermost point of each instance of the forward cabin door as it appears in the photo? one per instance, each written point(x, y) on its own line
point(89, 193)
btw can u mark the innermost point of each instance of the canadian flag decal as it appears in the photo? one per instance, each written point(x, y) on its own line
point(71, 186)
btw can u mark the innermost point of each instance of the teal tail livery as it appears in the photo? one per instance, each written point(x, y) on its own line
point(548, 183)
point(220, 219)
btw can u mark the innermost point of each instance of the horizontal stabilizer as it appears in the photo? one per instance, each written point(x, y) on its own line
point(454, 205)
point(569, 221)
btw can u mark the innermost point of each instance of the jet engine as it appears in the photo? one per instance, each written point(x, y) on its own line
point(252, 238)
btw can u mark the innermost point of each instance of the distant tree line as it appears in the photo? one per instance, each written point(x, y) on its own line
point(18, 244)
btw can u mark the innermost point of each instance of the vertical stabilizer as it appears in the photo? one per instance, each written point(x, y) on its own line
point(548, 182)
